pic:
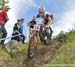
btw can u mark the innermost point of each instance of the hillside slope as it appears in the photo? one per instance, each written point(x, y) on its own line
point(46, 55)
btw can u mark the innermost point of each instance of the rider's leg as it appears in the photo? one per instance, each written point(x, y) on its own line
point(4, 34)
point(17, 37)
point(51, 32)
point(23, 38)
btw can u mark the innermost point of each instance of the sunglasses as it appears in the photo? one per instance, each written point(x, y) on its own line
point(40, 12)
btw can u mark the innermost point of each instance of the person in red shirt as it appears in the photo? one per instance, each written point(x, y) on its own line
point(3, 19)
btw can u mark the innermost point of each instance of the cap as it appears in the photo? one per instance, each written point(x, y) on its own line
point(8, 7)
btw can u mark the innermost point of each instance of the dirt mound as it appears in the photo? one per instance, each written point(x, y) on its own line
point(42, 56)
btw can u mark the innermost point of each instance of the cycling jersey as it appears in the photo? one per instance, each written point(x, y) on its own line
point(46, 17)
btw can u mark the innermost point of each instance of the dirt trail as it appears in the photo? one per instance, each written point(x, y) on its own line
point(43, 56)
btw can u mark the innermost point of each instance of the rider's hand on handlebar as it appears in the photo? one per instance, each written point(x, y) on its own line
point(34, 18)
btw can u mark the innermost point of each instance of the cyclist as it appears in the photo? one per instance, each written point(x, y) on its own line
point(47, 17)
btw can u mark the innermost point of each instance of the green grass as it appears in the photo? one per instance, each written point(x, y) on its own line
point(65, 55)
point(5, 57)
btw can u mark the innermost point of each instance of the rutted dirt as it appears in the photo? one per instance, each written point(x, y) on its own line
point(42, 56)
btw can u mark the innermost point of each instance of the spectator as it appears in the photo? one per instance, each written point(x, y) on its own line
point(3, 19)
point(21, 30)
point(16, 31)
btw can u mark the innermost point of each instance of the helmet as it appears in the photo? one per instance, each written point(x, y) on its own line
point(41, 9)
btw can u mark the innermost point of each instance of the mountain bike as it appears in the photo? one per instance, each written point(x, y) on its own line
point(38, 33)
point(34, 40)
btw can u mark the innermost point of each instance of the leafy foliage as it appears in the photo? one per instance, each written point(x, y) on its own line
point(66, 37)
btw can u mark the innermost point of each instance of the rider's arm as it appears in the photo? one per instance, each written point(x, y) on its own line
point(51, 19)
point(33, 19)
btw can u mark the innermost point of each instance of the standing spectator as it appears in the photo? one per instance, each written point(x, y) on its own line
point(21, 30)
point(3, 19)
point(16, 31)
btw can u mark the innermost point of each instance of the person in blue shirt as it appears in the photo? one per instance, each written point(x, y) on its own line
point(22, 29)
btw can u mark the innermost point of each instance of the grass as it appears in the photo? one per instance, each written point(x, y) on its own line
point(65, 55)
point(6, 58)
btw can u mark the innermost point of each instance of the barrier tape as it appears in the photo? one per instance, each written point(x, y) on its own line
point(10, 37)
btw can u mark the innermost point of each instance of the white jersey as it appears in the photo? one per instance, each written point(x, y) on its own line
point(46, 17)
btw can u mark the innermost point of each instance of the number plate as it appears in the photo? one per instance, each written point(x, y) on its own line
point(37, 27)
